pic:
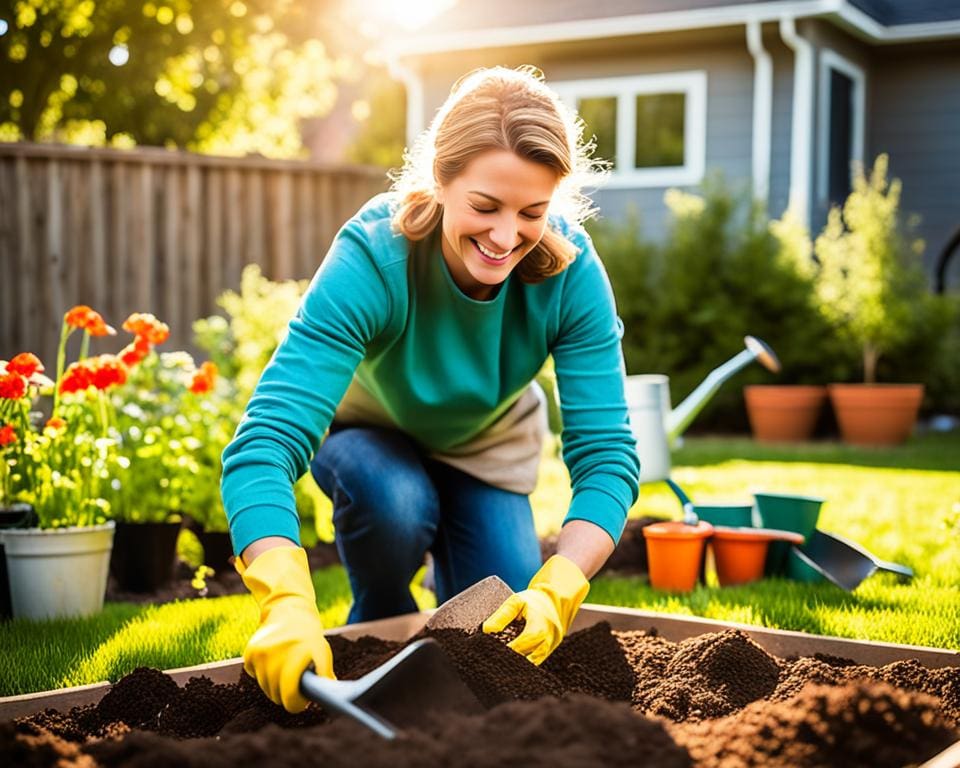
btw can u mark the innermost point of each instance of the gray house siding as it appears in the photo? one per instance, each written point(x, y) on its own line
point(781, 128)
point(915, 117)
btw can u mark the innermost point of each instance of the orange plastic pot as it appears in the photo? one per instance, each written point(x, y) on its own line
point(739, 554)
point(674, 553)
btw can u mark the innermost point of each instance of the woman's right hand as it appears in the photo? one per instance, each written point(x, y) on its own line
point(290, 636)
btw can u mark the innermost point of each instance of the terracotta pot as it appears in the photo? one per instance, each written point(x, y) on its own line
point(740, 553)
point(783, 414)
point(675, 553)
point(876, 414)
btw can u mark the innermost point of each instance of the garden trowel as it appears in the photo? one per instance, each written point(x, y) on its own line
point(420, 679)
point(845, 563)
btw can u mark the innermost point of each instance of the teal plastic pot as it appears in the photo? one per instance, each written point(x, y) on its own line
point(727, 515)
point(786, 512)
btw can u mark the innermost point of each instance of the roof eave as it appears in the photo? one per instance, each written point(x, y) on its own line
point(839, 11)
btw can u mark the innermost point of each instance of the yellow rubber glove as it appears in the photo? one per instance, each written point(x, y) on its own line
point(290, 635)
point(548, 605)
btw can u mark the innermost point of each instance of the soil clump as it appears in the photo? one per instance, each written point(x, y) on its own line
point(603, 698)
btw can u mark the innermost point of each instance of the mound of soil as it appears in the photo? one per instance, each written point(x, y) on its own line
point(603, 698)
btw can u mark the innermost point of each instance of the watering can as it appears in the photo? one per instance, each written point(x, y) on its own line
point(656, 426)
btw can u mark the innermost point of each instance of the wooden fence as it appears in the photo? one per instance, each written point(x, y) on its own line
point(150, 230)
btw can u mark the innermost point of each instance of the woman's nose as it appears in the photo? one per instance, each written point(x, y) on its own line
point(503, 237)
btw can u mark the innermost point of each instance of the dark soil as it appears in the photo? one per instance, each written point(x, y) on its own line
point(603, 698)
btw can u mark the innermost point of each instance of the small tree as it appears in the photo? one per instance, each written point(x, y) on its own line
point(870, 283)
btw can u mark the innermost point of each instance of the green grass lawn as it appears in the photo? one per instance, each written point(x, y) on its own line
point(896, 502)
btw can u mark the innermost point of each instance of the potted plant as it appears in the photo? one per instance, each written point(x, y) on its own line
point(60, 467)
point(870, 285)
point(161, 434)
point(788, 412)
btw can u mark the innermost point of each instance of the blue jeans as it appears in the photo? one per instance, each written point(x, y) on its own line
point(391, 505)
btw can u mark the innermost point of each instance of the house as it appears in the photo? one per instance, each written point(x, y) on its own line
point(780, 96)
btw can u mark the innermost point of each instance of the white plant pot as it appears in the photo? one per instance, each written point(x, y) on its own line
point(57, 572)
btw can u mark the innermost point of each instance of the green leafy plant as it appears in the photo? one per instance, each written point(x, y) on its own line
point(61, 465)
point(163, 427)
point(722, 272)
point(871, 285)
point(241, 345)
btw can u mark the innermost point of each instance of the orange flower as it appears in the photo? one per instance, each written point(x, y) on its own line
point(85, 318)
point(56, 424)
point(26, 364)
point(204, 378)
point(7, 435)
point(135, 352)
point(146, 326)
point(12, 386)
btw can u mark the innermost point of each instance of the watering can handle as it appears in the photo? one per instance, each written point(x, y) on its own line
point(689, 516)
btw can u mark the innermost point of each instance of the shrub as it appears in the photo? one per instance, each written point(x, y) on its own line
point(723, 272)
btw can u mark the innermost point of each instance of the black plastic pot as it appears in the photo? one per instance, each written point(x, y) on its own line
point(217, 550)
point(17, 515)
point(144, 555)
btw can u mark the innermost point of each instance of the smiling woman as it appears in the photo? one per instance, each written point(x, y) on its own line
point(415, 351)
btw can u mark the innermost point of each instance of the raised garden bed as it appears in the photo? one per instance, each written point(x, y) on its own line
point(626, 688)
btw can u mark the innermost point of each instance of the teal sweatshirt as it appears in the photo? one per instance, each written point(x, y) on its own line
point(442, 365)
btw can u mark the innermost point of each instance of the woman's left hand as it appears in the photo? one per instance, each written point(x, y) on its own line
point(548, 607)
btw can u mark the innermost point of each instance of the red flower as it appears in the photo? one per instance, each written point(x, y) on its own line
point(204, 378)
point(146, 326)
point(7, 435)
point(108, 370)
point(76, 378)
point(12, 386)
point(101, 372)
point(135, 352)
point(26, 364)
point(83, 317)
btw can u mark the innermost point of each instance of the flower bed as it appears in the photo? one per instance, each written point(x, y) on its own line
point(604, 698)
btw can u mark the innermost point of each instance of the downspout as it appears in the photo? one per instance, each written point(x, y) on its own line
point(413, 84)
point(762, 110)
point(801, 130)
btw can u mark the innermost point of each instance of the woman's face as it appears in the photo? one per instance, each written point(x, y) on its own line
point(494, 213)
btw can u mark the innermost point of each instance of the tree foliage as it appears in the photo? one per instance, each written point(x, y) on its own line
point(225, 76)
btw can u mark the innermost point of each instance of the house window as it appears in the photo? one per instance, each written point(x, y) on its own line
point(842, 89)
point(651, 128)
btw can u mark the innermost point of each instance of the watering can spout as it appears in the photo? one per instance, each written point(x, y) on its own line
point(677, 420)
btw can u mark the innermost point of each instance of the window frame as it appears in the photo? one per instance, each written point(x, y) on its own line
point(692, 83)
point(830, 60)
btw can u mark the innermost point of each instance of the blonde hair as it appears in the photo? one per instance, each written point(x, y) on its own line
point(500, 108)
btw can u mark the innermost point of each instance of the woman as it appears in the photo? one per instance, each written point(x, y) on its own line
point(416, 344)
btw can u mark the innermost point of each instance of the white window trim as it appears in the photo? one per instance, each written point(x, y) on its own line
point(692, 84)
point(831, 60)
